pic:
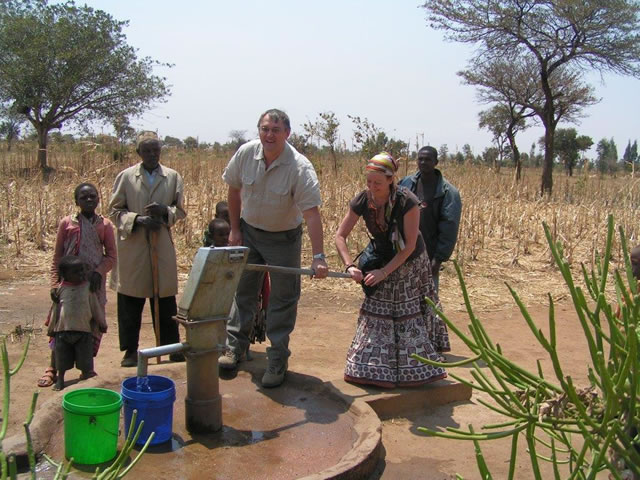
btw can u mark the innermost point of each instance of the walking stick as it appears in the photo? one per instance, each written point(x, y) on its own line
point(156, 288)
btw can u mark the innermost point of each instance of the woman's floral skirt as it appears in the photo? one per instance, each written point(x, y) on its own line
point(394, 323)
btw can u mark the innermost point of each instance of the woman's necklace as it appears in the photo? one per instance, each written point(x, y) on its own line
point(379, 212)
point(380, 203)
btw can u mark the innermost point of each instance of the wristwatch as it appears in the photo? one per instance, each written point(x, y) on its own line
point(319, 256)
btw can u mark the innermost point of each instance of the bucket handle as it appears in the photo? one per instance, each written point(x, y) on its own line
point(94, 421)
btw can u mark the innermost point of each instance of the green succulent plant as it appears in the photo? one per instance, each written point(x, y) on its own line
point(587, 429)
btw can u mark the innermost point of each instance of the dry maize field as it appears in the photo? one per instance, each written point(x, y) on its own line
point(501, 238)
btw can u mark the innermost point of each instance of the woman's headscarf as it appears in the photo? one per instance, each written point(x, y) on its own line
point(386, 164)
point(383, 163)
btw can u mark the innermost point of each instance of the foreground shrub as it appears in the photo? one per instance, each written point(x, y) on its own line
point(585, 429)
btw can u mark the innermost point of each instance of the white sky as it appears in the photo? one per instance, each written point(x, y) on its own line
point(371, 58)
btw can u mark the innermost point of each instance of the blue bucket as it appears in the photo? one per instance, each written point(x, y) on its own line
point(155, 407)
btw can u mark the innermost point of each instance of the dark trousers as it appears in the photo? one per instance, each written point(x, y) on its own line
point(130, 320)
point(74, 348)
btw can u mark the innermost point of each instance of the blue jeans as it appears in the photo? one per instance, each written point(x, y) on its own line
point(272, 248)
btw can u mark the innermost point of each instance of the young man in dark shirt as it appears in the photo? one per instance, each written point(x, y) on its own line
point(440, 208)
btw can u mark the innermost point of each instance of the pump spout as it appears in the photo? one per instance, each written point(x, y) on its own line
point(147, 353)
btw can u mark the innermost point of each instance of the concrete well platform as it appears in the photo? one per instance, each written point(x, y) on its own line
point(307, 428)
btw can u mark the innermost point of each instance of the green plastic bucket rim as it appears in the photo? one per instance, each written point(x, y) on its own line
point(70, 406)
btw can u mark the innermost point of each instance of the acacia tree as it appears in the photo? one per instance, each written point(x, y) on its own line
point(10, 124)
point(512, 87)
point(170, 141)
point(300, 142)
point(238, 138)
point(443, 153)
point(512, 83)
point(467, 153)
point(125, 133)
point(563, 36)
point(504, 121)
point(491, 156)
point(371, 140)
point(325, 127)
point(568, 145)
point(493, 121)
point(64, 64)
point(607, 156)
point(191, 143)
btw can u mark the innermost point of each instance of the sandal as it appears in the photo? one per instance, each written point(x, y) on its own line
point(48, 378)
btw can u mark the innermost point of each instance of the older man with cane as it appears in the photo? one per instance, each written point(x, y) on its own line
point(147, 200)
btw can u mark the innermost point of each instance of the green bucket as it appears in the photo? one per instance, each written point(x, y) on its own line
point(91, 422)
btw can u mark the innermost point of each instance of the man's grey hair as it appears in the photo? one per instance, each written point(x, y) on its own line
point(277, 116)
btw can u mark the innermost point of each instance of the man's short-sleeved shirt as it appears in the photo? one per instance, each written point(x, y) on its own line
point(273, 199)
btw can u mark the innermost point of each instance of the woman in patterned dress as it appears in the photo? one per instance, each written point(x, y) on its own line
point(394, 320)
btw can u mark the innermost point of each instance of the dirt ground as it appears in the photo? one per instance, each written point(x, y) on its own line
point(326, 323)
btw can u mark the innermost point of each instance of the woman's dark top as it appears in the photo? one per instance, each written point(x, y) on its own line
point(377, 224)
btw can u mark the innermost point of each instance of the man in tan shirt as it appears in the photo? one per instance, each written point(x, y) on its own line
point(271, 189)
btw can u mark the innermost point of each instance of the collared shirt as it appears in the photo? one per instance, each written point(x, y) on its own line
point(151, 176)
point(273, 199)
point(131, 193)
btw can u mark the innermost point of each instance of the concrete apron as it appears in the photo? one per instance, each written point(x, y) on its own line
point(304, 429)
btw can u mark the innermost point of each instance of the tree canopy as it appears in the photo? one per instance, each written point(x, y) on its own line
point(607, 160)
point(555, 40)
point(512, 83)
point(63, 63)
point(568, 145)
point(10, 123)
point(371, 140)
point(325, 127)
point(504, 121)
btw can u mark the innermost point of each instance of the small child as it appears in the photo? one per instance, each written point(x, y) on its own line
point(71, 325)
point(222, 211)
point(217, 235)
point(222, 214)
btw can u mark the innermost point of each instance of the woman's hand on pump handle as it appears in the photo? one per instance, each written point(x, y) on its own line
point(375, 276)
point(372, 278)
point(355, 273)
